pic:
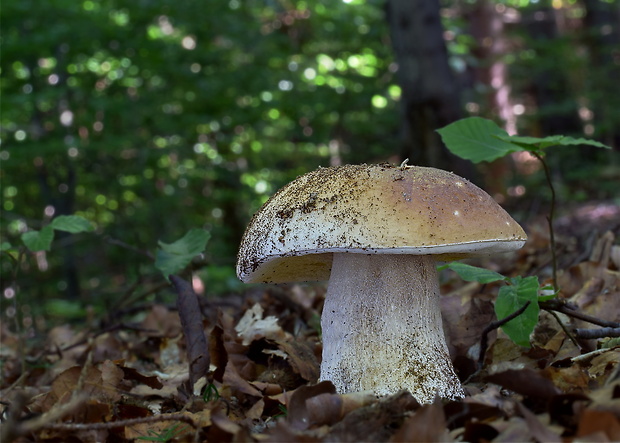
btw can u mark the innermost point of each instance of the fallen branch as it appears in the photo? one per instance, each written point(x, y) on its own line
point(121, 423)
point(597, 333)
point(566, 309)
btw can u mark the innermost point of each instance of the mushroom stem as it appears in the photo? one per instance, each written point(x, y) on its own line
point(382, 328)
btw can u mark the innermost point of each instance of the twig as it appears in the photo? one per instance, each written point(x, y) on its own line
point(14, 428)
point(562, 307)
point(564, 328)
point(550, 219)
point(495, 325)
point(597, 333)
point(114, 241)
point(122, 423)
point(112, 328)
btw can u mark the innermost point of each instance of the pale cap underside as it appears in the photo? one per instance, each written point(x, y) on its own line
point(371, 209)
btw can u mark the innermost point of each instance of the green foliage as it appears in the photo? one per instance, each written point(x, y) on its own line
point(39, 240)
point(42, 240)
point(210, 393)
point(513, 296)
point(174, 257)
point(151, 119)
point(481, 140)
point(473, 273)
point(65, 309)
point(71, 223)
point(475, 139)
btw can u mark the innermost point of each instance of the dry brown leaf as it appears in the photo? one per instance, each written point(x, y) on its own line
point(164, 322)
point(237, 383)
point(539, 431)
point(596, 423)
point(427, 424)
point(301, 359)
point(570, 379)
point(604, 363)
point(465, 315)
point(526, 382)
point(303, 415)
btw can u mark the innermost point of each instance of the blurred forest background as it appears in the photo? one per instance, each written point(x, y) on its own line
point(150, 118)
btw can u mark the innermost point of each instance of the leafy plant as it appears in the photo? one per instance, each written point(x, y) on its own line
point(42, 240)
point(479, 140)
point(516, 293)
point(210, 393)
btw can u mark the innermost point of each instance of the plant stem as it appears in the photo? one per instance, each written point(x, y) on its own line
point(550, 219)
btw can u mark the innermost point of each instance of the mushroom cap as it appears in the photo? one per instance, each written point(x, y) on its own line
point(370, 209)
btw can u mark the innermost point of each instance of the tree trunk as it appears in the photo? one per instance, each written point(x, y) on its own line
point(430, 94)
point(490, 75)
point(549, 85)
point(602, 37)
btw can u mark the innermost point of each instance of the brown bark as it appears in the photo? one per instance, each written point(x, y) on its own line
point(430, 93)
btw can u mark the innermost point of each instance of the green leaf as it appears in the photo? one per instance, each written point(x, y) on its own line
point(473, 273)
point(513, 297)
point(536, 143)
point(477, 139)
point(174, 257)
point(72, 224)
point(66, 309)
point(39, 240)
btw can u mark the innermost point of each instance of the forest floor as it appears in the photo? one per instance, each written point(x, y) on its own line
point(128, 379)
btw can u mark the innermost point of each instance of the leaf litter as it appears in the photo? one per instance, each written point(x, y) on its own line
point(246, 370)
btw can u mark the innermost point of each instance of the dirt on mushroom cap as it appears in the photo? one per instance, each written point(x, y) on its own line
point(370, 209)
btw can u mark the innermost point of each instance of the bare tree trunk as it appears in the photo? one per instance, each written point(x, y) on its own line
point(487, 26)
point(430, 94)
point(602, 37)
point(549, 85)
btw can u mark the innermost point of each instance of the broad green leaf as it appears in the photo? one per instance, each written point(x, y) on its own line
point(174, 257)
point(531, 143)
point(536, 143)
point(476, 139)
point(72, 224)
point(5, 246)
point(39, 240)
point(473, 273)
point(513, 297)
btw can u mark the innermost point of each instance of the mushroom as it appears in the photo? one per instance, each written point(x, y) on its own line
point(375, 232)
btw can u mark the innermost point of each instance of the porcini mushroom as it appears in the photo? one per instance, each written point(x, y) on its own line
point(375, 232)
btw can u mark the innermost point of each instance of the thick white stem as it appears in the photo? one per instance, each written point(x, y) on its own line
point(382, 328)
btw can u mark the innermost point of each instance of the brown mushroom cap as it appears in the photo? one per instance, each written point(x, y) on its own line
point(370, 209)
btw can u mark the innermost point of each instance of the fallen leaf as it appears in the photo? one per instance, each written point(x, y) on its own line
point(253, 326)
point(526, 382)
point(427, 424)
point(596, 423)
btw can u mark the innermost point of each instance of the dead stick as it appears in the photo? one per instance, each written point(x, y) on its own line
point(560, 306)
point(191, 321)
point(597, 333)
